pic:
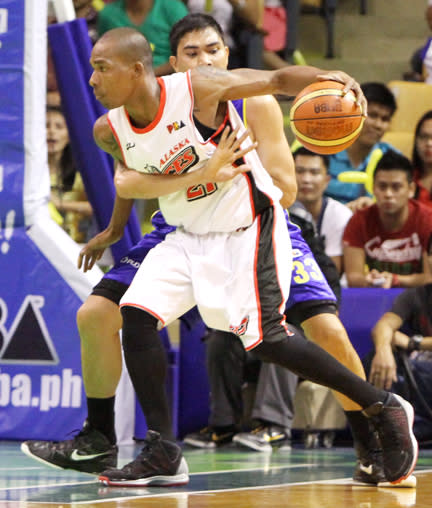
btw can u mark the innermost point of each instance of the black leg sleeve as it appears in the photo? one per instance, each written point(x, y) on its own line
point(146, 361)
point(311, 362)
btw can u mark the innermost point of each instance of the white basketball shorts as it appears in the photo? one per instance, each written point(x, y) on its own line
point(239, 281)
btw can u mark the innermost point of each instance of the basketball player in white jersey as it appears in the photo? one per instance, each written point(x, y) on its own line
point(243, 239)
point(230, 252)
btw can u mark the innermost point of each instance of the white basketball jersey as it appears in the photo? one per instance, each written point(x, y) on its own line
point(171, 144)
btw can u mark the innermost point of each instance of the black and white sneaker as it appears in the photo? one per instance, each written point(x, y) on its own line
point(89, 452)
point(393, 420)
point(160, 463)
point(208, 438)
point(264, 438)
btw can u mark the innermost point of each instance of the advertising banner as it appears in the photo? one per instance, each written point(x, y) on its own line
point(41, 289)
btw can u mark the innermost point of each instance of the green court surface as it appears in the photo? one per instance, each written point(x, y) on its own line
point(229, 468)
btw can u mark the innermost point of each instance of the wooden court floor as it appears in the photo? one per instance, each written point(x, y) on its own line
point(227, 477)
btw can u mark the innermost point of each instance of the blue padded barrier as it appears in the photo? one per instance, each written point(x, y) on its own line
point(361, 308)
point(71, 48)
point(194, 388)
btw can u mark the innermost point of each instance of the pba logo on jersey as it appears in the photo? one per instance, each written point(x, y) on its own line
point(183, 161)
point(175, 126)
point(241, 328)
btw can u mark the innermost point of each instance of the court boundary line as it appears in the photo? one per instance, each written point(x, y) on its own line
point(95, 480)
point(68, 484)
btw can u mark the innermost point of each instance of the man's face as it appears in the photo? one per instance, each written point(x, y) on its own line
point(375, 125)
point(200, 47)
point(312, 178)
point(113, 77)
point(392, 190)
point(424, 142)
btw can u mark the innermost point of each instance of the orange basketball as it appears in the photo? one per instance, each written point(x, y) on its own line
point(324, 120)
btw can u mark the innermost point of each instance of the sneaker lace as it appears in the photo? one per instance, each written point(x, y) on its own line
point(259, 429)
point(144, 457)
point(206, 430)
point(387, 424)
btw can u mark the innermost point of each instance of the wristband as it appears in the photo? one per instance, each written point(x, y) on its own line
point(395, 281)
point(414, 343)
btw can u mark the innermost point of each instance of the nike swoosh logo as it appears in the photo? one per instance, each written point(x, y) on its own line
point(274, 438)
point(366, 469)
point(75, 455)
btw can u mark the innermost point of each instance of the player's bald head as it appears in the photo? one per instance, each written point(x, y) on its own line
point(127, 44)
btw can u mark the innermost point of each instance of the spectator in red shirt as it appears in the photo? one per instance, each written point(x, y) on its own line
point(422, 159)
point(387, 244)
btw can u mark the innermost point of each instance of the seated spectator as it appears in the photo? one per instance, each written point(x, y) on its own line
point(275, 27)
point(408, 327)
point(153, 18)
point(67, 189)
point(421, 60)
point(230, 367)
point(315, 406)
point(422, 159)
point(381, 106)
point(238, 20)
point(329, 216)
point(387, 244)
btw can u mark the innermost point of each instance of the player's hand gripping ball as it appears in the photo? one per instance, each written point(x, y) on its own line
point(325, 121)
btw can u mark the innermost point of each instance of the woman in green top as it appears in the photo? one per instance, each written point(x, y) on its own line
point(153, 18)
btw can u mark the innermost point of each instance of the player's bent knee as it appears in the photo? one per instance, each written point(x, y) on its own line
point(96, 313)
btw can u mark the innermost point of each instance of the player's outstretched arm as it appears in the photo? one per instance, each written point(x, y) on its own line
point(134, 185)
point(211, 85)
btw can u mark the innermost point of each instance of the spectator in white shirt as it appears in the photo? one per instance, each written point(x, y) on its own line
point(330, 216)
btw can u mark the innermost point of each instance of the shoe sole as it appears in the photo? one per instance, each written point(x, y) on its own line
point(155, 481)
point(409, 483)
point(254, 446)
point(410, 415)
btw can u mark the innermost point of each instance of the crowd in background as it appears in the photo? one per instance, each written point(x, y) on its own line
point(380, 239)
